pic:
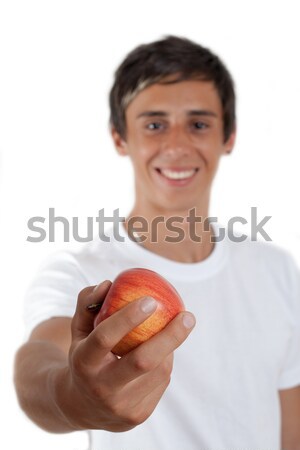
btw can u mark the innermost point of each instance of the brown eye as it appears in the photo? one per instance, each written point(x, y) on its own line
point(154, 126)
point(200, 125)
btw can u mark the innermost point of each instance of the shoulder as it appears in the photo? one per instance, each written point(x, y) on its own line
point(92, 261)
point(267, 259)
point(264, 252)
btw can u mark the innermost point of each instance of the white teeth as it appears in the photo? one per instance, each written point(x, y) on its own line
point(175, 175)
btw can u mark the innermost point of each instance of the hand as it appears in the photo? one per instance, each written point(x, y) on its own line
point(112, 393)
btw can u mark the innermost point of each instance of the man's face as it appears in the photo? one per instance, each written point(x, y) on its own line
point(175, 141)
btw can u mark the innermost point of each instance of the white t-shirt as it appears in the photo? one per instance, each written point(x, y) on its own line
point(223, 393)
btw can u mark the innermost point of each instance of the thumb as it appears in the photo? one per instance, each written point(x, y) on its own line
point(88, 303)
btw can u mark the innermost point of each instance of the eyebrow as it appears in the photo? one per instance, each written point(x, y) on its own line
point(192, 112)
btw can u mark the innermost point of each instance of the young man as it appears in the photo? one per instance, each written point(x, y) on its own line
point(235, 380)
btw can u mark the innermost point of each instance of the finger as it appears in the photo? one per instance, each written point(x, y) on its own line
point(153, 397)
point(146, 383)
point(141, 405)
point(83, 320)
point(149, 355)
point(109, 332)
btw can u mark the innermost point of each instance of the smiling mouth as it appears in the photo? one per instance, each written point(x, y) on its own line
point(177, 174)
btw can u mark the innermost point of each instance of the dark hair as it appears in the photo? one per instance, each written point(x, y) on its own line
point(151, 63)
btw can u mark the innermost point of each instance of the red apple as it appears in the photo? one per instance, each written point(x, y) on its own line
point(131, 285)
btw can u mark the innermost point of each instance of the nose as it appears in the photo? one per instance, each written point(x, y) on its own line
point(176, 144)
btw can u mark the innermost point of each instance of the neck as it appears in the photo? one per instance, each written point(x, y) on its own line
point(181, 236)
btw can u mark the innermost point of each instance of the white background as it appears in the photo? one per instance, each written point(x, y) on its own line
point(57, 61)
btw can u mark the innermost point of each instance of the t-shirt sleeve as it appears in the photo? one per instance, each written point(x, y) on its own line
point(54, 290)
point(290, 373)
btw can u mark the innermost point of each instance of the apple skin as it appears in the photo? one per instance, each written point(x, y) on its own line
point(130, 285)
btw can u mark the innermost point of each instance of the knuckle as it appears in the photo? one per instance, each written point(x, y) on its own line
point(101, 339)
point(141, 363)
point(164, 372)
point(135, 418)
point(116, 409)
point(83, 294)
point(78, 366)
point(166, 369)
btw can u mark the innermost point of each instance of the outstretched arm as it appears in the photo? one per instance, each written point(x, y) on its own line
point(290, 417)
point(67, 379)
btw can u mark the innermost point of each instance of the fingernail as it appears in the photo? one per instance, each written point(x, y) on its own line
point(188, 321)
point(96, 287)
point(148, 304)
point(94, 306)
point(102, 283)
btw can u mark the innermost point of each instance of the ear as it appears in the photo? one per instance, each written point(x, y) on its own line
point(229, 144)
point(120, 143)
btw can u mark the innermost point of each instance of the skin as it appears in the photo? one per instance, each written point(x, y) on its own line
point(175, 138)
point(66, 376)
point(67, 379)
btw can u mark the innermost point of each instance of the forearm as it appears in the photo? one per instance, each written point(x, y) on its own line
point(40, 369)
